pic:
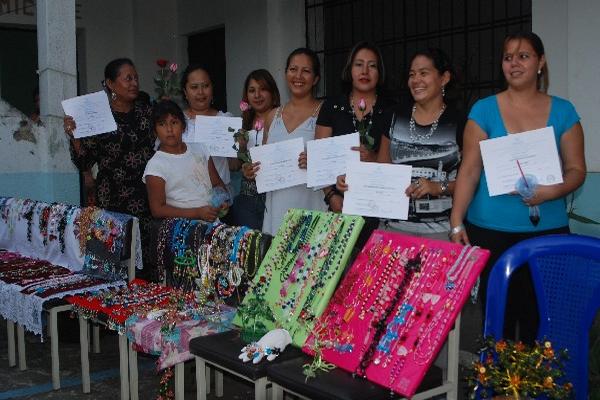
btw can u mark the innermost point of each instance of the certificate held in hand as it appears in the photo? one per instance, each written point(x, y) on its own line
point(91, 113)
point(278, 165)
point(507, 158)
point(214, 133)
point(326, 158)
point(377, 190)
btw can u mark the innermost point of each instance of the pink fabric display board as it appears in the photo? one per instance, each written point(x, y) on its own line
point(391, 315)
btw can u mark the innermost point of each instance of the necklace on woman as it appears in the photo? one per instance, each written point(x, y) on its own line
point(412, 129)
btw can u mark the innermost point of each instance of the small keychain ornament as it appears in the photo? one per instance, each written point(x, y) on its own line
point(270, 345)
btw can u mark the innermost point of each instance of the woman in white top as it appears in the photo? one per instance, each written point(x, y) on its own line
point(197, 90)
point(296, 119)
point(179, 182)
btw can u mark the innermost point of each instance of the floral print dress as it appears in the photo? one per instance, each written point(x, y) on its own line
point(121, 157)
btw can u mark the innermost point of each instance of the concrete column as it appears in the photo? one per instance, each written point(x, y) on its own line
point(285, 32)
point(58, 81)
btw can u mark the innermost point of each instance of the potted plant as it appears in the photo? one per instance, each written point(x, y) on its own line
point(512, 370)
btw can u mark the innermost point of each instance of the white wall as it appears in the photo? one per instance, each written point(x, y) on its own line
point(258, 34)
point(154, 36)
point(570, 31)
point(107, 34)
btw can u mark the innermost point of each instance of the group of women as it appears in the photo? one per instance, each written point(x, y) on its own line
point(448, 192)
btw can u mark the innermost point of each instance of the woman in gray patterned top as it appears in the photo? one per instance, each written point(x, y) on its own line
point(426, 137)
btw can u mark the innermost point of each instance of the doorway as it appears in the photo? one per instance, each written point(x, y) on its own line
point(208, 49)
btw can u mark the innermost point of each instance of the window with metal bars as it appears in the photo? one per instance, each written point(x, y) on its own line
point(469, 31)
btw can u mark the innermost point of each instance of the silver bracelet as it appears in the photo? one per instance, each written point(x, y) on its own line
point(455, 230)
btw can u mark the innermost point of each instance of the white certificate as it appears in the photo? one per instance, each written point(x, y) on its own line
point(327, 158)
point(91, 113)
point(214, 133)
point(377, 190)
point(534, 151)
point(278, 165)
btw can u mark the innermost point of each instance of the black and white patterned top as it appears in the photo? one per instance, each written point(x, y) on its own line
point(428, 155)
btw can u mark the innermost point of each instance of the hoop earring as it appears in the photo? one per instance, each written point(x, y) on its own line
point(113, 96)
point(443, 91)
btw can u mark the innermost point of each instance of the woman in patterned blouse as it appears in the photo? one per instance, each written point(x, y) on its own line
point(121, 155)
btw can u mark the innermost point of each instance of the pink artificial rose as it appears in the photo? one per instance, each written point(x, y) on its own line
point(259, 124)
point(173, 67)
point(362, 105)
point(244, 106)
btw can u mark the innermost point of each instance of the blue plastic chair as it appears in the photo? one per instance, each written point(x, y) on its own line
point(565, 270)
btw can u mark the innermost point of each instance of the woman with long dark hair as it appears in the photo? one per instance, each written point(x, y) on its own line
point(261, 96)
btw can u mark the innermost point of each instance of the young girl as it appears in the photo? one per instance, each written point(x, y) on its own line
point(179, 183)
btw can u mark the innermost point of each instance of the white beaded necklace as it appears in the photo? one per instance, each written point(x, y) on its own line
point(412, 129)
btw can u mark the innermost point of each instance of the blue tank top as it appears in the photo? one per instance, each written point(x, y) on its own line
point(507, 212)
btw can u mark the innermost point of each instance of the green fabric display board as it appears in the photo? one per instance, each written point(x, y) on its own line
point(301, 270)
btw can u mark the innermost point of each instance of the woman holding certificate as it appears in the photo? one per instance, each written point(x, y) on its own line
point(360, 108)
point(261, 96)
point(296, 119)
point(121, 155)
point(426, 136)
point(498, 222)
point(197, 88)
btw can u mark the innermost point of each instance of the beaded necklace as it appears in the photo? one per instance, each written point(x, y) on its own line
point(315, 276)
point(277, 255)
point(85, 220)
point(409, 312)
point(161, 246)
point(327, 272)
point(432, 333)
point(410, 267)
point(417, 137)
point(383, 283)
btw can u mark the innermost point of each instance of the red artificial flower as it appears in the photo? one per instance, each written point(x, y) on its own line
point(162, 63)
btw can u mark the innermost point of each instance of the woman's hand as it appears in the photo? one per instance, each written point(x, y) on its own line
point(423, 187)
point(460, 237)
point(208, 213)
point(250, 170)
point(340, 183)
point(366, 155)
point(302, 160)
point(336, 203)
point(69, 126)
point(542, 193)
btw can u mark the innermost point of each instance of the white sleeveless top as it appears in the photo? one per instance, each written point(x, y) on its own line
point(279, 201)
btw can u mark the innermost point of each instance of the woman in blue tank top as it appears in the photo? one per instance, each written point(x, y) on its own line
point(501, 221)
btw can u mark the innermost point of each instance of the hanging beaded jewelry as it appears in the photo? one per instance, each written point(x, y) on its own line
point(411, 267)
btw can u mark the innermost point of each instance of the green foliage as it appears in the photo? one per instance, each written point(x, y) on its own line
point(252, 313)
point(241, 140)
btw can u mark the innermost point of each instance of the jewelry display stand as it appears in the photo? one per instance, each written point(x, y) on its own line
point(302, 268)
point(393, 311)
point(53, 243)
